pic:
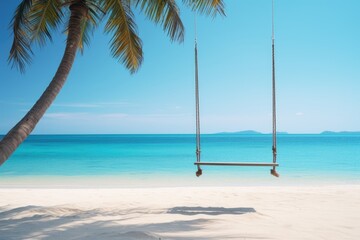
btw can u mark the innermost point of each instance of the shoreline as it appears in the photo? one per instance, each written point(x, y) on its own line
point(164, 181)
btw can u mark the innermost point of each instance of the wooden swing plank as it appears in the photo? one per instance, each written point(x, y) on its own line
point(244, 164)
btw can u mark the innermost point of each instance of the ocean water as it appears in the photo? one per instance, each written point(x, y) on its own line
point(305, 157)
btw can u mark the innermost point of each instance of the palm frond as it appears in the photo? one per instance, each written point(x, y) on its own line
point(86, 30)
point(20, 52)
point(208, 7)
point(89, 23)
point(44, 16)
point(167, 13)
point(125, 43)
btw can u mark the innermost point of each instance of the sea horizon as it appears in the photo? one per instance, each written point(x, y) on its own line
point(245, 132)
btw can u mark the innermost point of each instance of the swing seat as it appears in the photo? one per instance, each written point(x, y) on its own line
point(243, 164)
point(240, 164)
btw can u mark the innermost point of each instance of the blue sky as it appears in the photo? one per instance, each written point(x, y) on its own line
point(318, 74)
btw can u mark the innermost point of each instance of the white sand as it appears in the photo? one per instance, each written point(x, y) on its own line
point(289, 212)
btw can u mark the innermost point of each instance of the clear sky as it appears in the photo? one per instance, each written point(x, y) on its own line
point(317, 61)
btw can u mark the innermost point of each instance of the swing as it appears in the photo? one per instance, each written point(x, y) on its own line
point(272, 164)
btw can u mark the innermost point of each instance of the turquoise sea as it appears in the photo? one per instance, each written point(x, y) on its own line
point(165, 159)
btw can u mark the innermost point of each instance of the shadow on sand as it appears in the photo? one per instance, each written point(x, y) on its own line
point(60, 222)
point(209, 210)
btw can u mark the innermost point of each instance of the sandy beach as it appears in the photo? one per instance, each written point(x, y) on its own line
point(255, 212)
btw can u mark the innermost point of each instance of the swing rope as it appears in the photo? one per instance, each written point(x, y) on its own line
point(274, 147)
point(198, 147)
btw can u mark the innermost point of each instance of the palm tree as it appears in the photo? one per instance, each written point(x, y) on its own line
point(34, 20)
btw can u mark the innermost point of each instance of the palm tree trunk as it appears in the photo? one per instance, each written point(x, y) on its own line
point(22, 130)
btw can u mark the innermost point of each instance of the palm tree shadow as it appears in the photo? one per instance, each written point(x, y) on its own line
point(210, 210)
point(37, 222)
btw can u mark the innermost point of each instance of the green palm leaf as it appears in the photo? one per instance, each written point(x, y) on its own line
point(87, 28)
point(167, 13)
point(45, 15)
point(89, 24)
point(125, 43)
point(208, 7)
point(20, 52)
